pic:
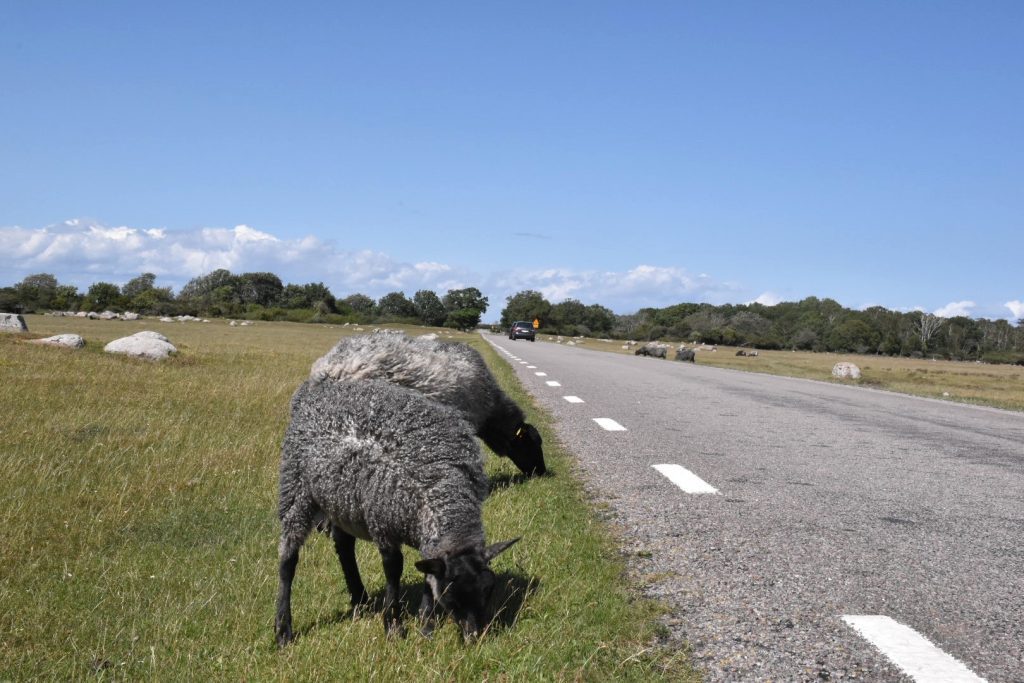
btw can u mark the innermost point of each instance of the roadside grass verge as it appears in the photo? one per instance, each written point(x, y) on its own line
point(139, 530)
point(998, 386)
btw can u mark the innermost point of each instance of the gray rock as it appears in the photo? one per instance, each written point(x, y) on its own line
point(142, 346)
point(128, 315)
point(150, 334)
point(12, 322)
point(108, 315)
point(71, 341)
point(846, 371)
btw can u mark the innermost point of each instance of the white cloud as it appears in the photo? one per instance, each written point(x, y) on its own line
point(1017, 308)
point(82, 252)
point(767, 299)
point(956, 308)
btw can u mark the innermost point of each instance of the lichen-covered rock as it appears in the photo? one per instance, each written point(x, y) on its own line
point(142, 345)
point(12, 322)
point(71, 341)
point(129, 315)
point(150, 334)
point(846, 371)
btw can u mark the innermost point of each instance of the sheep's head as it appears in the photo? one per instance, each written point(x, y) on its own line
point(526, 450)
point(462, 583)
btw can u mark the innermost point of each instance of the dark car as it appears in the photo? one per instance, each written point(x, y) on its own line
point(522, 330)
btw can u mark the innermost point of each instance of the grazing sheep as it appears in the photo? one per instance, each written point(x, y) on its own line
point(652, 351)
point(686, 355)
point(387, 464)
point(450, 373)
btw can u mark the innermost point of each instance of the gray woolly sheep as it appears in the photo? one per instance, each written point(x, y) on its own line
point(652, 351)
point(686, 355)
point(386, 464)
point(450, 373)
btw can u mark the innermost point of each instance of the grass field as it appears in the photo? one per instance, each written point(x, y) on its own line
point(138, 532)
point(999, 386)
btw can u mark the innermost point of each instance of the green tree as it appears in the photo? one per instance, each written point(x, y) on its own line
point(153, 301)
point(464, 307)
point(67, 298)
point(525, 305)
point(36, 292)
point(102, 296)
point(429, 308)
point(262, 289)
point(138, 285)
point(202, 286)
point(360, 304)
point(395, 306)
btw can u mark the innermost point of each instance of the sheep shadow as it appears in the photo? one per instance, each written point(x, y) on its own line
point(505, 480)
point(511, 590)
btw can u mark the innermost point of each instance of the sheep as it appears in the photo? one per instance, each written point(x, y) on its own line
point(387, 464)
point(683, 354)
point(652, 351)
point(451, 373)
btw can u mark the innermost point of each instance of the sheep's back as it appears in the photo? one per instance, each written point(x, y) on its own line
point(383, 461)
point(452, 374)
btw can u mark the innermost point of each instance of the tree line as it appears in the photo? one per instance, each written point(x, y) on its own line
point(254, 296)
point(811, 324)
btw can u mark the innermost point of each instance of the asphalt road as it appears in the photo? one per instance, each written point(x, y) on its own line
point(833, 503)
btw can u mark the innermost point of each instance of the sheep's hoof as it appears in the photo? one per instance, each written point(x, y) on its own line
point(284, 637)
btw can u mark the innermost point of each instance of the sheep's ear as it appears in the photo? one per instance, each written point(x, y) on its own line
point(492, 551)
point(434, 566)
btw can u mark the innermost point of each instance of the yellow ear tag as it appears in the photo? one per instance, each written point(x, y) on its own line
point(519, 432)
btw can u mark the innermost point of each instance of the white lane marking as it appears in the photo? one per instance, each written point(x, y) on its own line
point(609, 424)
point(573, 399)
point(554, 384)
point(522, 362)
point(541, 374)
point(909, 650)
point(685, 479)
point(531, 367)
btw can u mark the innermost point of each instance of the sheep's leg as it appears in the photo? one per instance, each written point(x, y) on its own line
point(295, 526)
point(392, 558)
point(345, 546)
point(428, 620)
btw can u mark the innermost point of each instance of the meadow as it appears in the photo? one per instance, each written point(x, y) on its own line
point(998, 386)
point(139, 530)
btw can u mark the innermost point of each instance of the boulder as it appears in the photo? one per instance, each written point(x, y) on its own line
point(12, 322)
point(81, 314)
point(142, 345)
point(128, 315)
point(150, 334)
point(846, 371)
point(108, 315)
point(71, 341)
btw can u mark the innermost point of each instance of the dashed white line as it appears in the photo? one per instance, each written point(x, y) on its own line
point(531, 367)
point(573, 399)
point(522, 362)
point(909, 650)
point(609, 424)
point(685, 479)
point(553, 384)
point(541, 374)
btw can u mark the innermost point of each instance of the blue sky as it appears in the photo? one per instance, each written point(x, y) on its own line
point(628, 154)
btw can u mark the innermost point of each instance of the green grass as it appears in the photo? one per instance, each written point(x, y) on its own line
point(999, 386)
point(138, 531)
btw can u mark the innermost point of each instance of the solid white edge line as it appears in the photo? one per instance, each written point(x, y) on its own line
point(573, 399)
point(609, 424)
point(914, 654)
point(685, 479)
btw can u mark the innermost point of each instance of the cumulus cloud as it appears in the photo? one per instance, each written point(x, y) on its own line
point(1017, 308)
point(622, 291)
point(82, 252)
point(767, 299)
point(956, 308)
